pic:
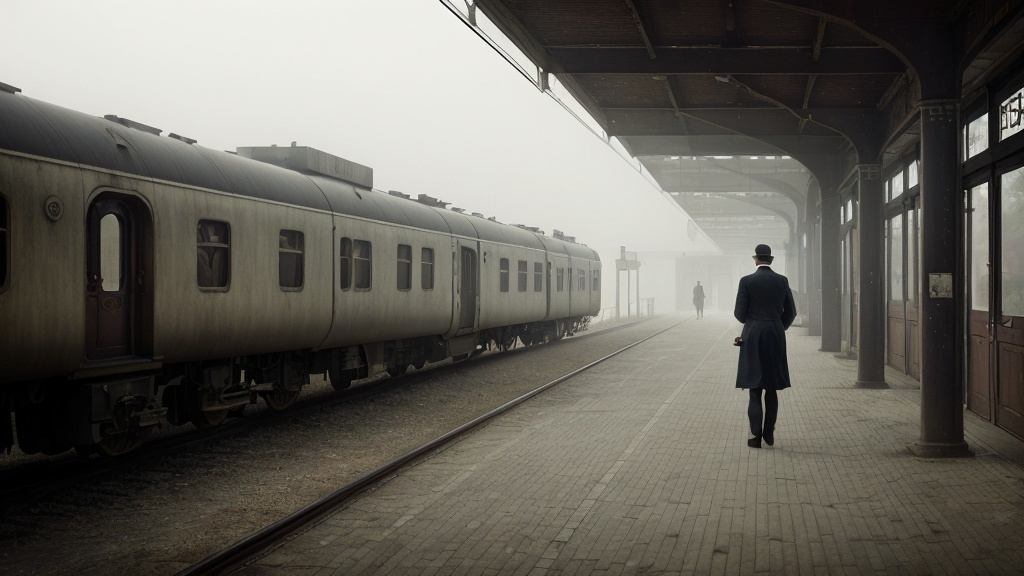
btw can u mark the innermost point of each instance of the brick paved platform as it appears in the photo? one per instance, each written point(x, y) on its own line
point(640, 466)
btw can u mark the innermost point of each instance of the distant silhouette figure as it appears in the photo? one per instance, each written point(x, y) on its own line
point(698, 299)
point(764, 304)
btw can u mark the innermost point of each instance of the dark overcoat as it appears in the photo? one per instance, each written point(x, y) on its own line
point(764, 304)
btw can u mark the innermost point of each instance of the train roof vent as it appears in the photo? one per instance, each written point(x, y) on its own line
point(8, 88)
point(459, 210)
point(182, 138)
point(399, 194)
point(478, 215)
point(311, 161)
point(133, 124)
point(431, 201)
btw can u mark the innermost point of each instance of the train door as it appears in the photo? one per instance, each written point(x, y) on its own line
point(1009, 326)
point(467, 287)
point(113, 269)
point(978, 287)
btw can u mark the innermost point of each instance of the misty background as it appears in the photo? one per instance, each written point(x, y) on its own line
point(401, 86)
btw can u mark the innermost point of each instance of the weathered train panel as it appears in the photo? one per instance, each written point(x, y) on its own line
point(384, 309)
point(505, 298)
point(253, 313)
point(41, 310)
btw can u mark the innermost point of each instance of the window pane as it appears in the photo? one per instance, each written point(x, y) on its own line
point(427, 269)
point(896, 258)
point(596, 284)
point(583, 279)
point(897, 185)
point(1012, 220)
point(912, 179)
point(362, 262)
point(110, 252)
point(290, 258)
point(560, 279)
point(345, 265)
point(523, 276)
point(503, 275)
point(404, 267)
point(978, 245)
point(538, 277)
point(977, 136)
point(1010, 111)
point(213, 248)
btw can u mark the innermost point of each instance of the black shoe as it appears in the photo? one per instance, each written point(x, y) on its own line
point(769, 438)
point(754, 442)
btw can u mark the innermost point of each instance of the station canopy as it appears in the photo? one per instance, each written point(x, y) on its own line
point(718, 101)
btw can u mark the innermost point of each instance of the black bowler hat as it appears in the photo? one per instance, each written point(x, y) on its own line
point(763, 252)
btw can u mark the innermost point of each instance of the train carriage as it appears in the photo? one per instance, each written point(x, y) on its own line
point(150, 281)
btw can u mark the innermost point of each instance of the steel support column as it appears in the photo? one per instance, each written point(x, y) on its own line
point(831, 272)
point(871, 308)
point(942, 403)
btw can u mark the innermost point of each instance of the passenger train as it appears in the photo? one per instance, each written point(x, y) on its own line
point(148, 281)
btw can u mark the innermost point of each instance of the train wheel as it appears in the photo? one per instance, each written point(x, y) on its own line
point(210, 418)
point(119, 443)
point(341, 379)
point(279, 399)
point(398, 370)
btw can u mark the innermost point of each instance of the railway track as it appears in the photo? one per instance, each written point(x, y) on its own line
point(238, 554)
point(168, 508)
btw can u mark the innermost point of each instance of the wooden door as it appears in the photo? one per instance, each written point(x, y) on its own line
point(978, 284)
point(111, 271)
point(1009, 331)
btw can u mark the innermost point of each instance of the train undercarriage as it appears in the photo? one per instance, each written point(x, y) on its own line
point(113, 414)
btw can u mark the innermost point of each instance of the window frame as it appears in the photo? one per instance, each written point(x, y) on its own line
point(427, 268)
point(213, 247)
point(362, 265)
point(296, 246)
point(403, 267)
point(523, 275)
point(503, 272)
point(538, 277)
point(345, 264)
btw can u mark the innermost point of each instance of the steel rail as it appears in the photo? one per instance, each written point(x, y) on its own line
point(238, 554)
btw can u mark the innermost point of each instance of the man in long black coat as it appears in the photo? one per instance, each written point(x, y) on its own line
point(764, 304)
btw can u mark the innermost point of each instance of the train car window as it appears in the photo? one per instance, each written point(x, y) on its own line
point(363, 264)
point(213, 248)
point(503, 275)
point(569, 280)
point(427, 268)
point(538, 277)
point(583, 279)
point(523, 276)
point(290, 261)
point(4, 245)
point(595, 284)
point(404, 267)
point(111, 269)
point(345, 266)
point(560, 279)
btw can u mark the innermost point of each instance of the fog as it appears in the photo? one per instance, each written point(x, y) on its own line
point(401, 86)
